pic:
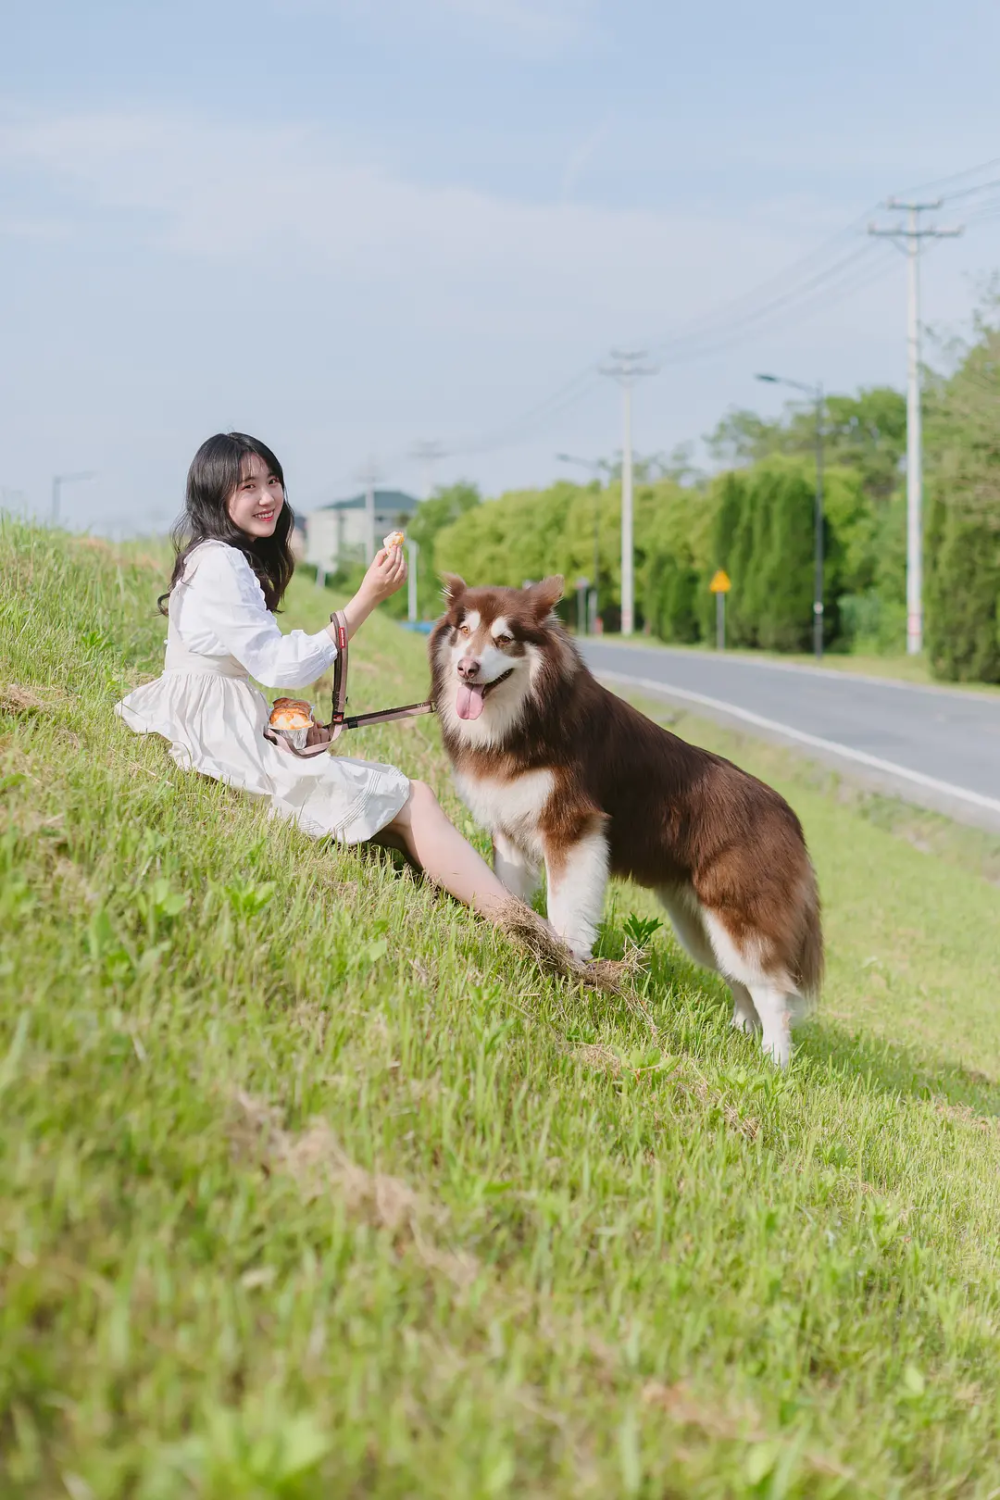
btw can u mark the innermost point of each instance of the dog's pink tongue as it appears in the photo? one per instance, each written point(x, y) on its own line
point(469, 701)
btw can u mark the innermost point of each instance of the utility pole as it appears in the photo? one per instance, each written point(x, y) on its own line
point(368, 476)
point(627, 368)
point(427, 455)
point(412, 613)
point(913, 236)
point(58, 480)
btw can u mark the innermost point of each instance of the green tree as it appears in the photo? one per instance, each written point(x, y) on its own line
point(672, 521)
point(784, 565)
point(962, 545)
point(439, 510)
point(963, 619)
point(764, 536)
point(864, 440)
point(866, 433)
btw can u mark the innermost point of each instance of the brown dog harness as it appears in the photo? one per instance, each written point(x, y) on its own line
point(322, 737)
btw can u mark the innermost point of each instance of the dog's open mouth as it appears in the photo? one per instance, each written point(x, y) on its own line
point(471, 696)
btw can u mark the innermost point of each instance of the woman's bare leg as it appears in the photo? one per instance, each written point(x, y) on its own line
point(436, 845)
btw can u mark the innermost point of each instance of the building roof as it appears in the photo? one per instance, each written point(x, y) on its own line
point(394, 501)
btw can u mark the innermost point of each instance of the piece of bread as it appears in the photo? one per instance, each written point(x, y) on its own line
point(394, 539)
point(291, 714)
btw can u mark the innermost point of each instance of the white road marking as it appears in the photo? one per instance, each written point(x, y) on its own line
point(768, 664)
point(861, 757)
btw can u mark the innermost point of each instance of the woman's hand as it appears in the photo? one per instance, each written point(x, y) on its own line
point(385, 577)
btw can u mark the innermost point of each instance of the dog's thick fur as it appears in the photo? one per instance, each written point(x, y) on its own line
point(565, 774)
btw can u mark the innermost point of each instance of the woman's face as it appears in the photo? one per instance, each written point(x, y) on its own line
point(256, 503)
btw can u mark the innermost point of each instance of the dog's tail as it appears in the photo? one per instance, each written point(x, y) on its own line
point(811, 960)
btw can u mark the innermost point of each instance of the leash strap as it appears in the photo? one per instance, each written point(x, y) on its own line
point(385, 715)
point(337, 724)
point(341, 720)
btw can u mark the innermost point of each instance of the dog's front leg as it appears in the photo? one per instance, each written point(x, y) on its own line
point(577, 876)
point(513, 869)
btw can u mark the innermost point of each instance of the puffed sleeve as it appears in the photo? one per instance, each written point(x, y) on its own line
point(229, 602)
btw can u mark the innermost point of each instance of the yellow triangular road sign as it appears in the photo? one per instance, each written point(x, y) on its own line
point(720, 583)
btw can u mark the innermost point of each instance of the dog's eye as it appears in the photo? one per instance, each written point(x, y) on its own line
point(504, 640)
point(464, 630)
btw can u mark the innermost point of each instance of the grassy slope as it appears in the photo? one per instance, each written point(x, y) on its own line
point(313, 1186)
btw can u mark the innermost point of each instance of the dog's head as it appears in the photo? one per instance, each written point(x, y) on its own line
point(487, 653)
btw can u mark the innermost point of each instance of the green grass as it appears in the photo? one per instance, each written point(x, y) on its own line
point(313, 1186)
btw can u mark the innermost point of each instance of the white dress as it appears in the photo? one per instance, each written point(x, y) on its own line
point(221, 632)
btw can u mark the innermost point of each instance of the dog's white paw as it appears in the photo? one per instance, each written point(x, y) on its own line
point(580, 944)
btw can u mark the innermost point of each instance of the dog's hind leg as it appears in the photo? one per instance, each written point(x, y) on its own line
point(684, 911)
point(774, 1006)
point(748, 966)
point(514, 869)
point(745, 1017)
point(577, 877)
point(688, 920)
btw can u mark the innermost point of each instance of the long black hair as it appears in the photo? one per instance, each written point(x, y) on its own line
point(216, 472)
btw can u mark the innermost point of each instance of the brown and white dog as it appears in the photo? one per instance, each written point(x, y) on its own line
point(563, 773)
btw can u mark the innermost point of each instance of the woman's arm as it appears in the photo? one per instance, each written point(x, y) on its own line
point(385, 576)
point(223, 599)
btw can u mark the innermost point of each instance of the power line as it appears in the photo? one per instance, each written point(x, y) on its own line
point(565, 396)
point(785, 282)
point(970, 192)
point(427, 455)
point(688, 343)
point(825, 291)
point(814, 282)
point(937, 183)
point(707, 324)
point(797, 291)
point(980, 213)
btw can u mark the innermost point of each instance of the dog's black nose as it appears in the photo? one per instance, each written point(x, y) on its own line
point(468, 668)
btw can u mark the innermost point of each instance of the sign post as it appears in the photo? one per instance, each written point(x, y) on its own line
point(720, 587)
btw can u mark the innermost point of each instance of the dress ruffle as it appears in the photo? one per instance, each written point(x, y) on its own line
point(215, 724)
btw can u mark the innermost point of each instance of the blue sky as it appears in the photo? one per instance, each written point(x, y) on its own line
point(348, 225)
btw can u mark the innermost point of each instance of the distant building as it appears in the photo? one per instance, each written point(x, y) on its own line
point(335, 533)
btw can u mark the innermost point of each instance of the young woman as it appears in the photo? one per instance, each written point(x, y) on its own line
point(229, 576)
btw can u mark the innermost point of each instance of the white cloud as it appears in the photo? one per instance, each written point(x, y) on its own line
point(580, 158)
point(543, 20)
point(404, 307)
point(537, 28)
point(267, 195)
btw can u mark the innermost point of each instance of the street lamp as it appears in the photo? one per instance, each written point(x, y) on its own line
point(594, 466)
point(58, 480)
point(815, 394)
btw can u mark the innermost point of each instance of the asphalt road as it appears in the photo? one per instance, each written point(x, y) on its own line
point(933, 746)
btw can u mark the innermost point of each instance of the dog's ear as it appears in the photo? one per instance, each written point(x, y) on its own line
point(453, 588)
point(545, 595)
